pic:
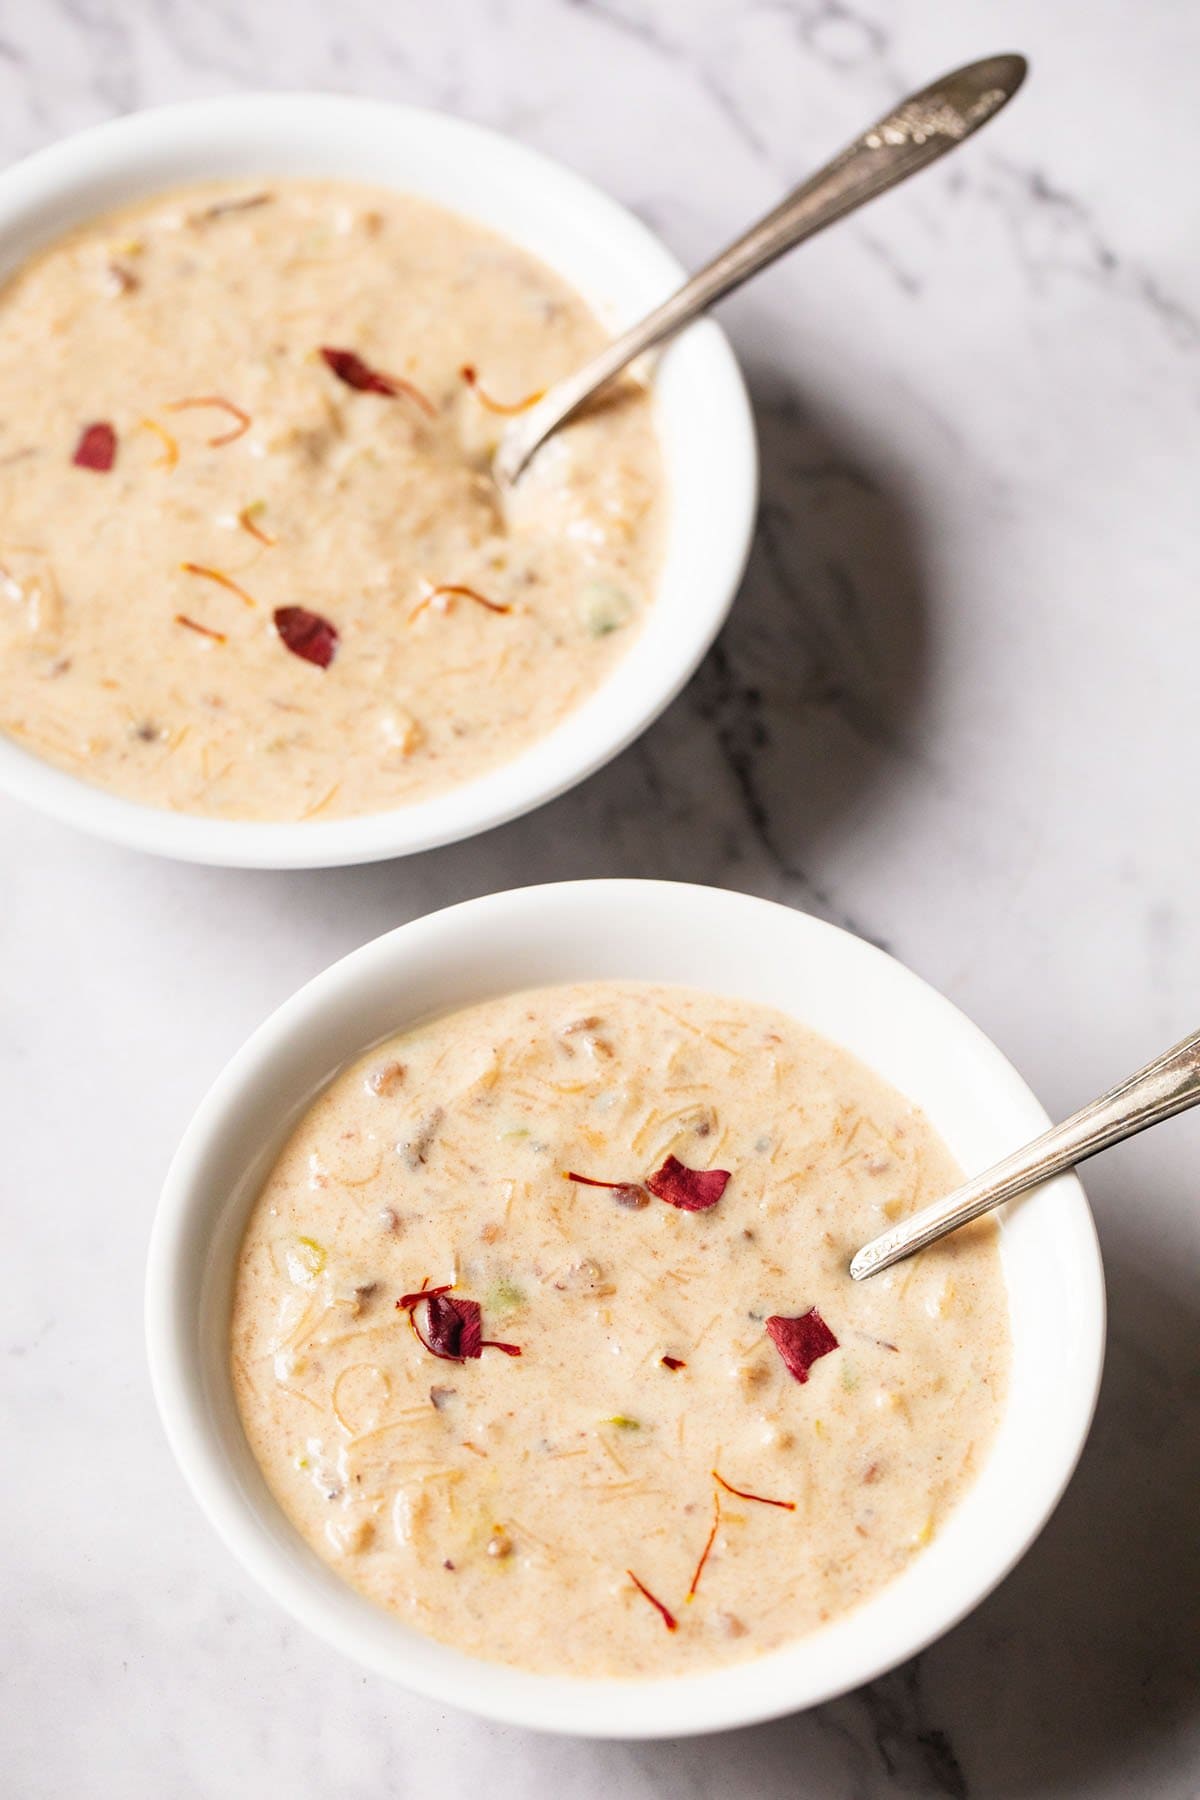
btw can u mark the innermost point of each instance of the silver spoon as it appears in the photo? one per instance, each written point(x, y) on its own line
point(917, 132)
point(1169, 1085)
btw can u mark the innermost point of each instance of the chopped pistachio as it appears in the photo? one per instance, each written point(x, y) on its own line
point(606, 608)
point(504, 1296)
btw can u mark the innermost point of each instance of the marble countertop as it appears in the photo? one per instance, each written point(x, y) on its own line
point(954, 709)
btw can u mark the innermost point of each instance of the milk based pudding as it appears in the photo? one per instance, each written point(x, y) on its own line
point(252, 563)
point(543, 1335)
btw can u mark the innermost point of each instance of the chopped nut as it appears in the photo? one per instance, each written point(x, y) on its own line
point(442, 1396)
point(351, 1538)
point(352, 1293)
point(322, 1471)
point(776, 1437)
point(415, 1149)
point(219, 208)
point(411, 1516)
point(700, 1121)
point(28, 580)
point(401, 735)
point(584, 1031)
point(938, 1304)
point(386, 1079)
point(357, 1293)
point(751, 1373)
point(499, 1544)
point(120, 280)
point(583, 1277)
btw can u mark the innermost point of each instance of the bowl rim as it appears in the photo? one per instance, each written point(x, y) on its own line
point(688, 1704)
point(316, 132)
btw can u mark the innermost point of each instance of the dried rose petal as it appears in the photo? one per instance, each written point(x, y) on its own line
point(801, 1341)
point(97, 447)
point(453, 1327)
point(692, 1190)
point(672, 1362)
point(349, 367)
point(306, 634)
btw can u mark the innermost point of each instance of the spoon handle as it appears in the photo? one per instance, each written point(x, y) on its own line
point(1168, 1085)
point(915, 133)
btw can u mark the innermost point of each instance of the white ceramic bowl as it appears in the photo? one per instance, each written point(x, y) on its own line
point(702, 937)
point(702, 414)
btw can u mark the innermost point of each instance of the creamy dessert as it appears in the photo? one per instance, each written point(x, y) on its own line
point(543, 1335)
point(252, 563)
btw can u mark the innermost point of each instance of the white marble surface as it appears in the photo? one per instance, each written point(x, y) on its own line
point(955, 708)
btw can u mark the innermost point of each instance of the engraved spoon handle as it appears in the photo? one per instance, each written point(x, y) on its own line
point(1166, 1086)
point(915, 133)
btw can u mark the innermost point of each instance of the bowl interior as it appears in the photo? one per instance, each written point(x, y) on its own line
point(701, 410)
point(706, 938)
